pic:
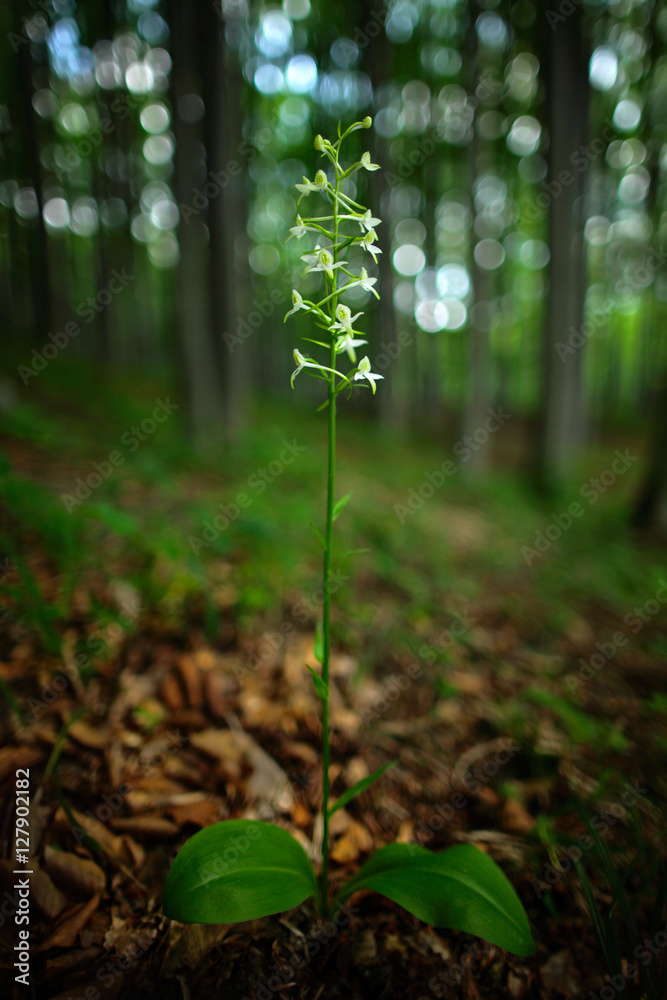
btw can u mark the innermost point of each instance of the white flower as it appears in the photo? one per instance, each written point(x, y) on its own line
point(297, 303)
point(307, 363)
point(366, 162)
point(301, 229)
point(367, 222)
point(345, 319)
point(365, 282)
point(308, 186)
point(365, 372)
point(368, 244)
point(348, 343)
point(321, 260)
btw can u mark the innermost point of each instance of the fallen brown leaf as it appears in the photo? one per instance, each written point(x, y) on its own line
point(171, 692)
point(189, 671)
point(355, 840)
point(75, 873)
point(12, 758)
point(92, 826)
point(516, 817)
point(45, 895)
point(201, 810)
point(94, 737)
point(145, 827)
point(66, 933)
point(70, 960)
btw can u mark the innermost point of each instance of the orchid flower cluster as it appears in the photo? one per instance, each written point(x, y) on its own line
point(326, 257)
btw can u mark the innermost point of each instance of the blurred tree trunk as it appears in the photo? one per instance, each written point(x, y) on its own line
point(562, 416)
point(227, 214)
point(40, 272)
point(200, 372)
point(478, 367)
point(650, 510)
point(392, 401)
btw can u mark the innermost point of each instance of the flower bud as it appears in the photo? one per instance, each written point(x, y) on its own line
point(367, 122)
point(319, 143)
point(321, 179)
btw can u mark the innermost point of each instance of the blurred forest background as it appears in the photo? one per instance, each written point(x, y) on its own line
point(158, 474)
point(524, 151)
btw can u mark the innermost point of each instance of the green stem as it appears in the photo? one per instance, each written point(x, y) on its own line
point(326, 621)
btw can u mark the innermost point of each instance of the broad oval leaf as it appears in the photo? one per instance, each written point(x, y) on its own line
point(461, 888)
point(239, 869)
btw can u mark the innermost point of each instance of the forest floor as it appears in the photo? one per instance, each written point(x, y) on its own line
point(151, 690)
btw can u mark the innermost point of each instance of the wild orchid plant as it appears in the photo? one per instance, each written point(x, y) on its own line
point(243, 869)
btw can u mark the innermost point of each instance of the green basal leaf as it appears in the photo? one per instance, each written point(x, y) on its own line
point(239, 869)
point(461, 888)
point(359, 787)
point(321, 690)
point(318, 645)
point(338, 506)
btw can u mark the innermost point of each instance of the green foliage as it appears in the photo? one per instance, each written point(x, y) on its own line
point(237, 870)
point(618, 927)
point(581, 727)
point(461, 888)
point(244, 869)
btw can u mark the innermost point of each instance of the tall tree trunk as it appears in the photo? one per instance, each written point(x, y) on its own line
point(40, 273)
point(562, 417)
point(227, 213)
point(478, 366)
point(200, 371)
point(650, 510)
point(392, 403)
